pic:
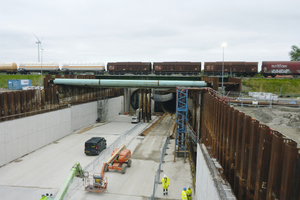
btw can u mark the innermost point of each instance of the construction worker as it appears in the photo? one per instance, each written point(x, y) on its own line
point(165, 184)
point(183, 194)
point(189, 193)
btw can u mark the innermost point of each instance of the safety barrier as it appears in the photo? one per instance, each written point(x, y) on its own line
point(258, 162)
point(157, 174)
point(101, 158)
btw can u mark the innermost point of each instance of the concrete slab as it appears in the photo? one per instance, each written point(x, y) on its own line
point(44, 170)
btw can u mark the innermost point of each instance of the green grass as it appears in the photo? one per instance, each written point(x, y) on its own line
point(4, 79)
point(287, 86)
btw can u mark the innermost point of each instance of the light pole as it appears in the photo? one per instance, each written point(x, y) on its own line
point(41, 84)
point(223, 45)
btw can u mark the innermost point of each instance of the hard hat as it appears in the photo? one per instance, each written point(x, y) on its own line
point(165, 176)
point(184, 188)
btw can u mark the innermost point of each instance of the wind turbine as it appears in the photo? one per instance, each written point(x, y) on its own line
point(38, 43)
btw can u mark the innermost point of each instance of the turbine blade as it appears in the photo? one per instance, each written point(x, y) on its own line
point(36, 38)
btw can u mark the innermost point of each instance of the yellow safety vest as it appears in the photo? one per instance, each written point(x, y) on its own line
point(189, 192)
point(165, 181)
point(183, 195)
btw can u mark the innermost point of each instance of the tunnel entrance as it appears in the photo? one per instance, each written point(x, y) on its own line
point(168, 106)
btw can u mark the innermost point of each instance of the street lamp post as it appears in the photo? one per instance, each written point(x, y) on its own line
point(41, 67)
point(223, 45)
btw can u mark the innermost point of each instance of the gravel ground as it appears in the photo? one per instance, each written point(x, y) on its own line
point(284, 119)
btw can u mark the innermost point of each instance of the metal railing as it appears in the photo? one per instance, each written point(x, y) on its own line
point(76, 183)
point(157, 175)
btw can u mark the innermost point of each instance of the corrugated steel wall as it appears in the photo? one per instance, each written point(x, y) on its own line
point(17, 104)
point(258, 162)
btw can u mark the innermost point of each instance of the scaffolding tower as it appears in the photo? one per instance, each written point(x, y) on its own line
point(181, 119)
point(102, 108)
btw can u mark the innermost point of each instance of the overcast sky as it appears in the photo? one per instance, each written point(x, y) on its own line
point(142, 30)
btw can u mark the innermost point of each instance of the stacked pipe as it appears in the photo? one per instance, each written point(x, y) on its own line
point(258, 162)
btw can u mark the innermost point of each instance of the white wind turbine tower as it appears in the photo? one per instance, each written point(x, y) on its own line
point(38, 43)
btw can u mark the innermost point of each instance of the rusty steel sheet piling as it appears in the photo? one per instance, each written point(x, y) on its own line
point(1, 107)
point(228, 140)
point(259, 163)
point(11, 103)
point(264, 152)
point(232, 157)
point(238, 152)
point(253, 153)
point(244, 157)
point(18, 103)
point(290, 184)
point(24, 103)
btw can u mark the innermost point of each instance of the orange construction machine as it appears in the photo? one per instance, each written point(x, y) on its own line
point(97, 182)
point(119, 157)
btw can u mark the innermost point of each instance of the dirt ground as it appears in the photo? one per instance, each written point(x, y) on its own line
point(283, 119)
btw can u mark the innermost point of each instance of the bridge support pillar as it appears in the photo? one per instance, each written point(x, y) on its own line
point(127, 95)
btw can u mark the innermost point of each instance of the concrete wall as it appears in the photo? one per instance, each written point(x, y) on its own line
point(205, 188)
point(83, 114)
point(209, 182)
point(115, 107)
point(19, 137)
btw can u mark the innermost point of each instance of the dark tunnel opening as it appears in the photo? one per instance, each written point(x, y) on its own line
point(167, 107)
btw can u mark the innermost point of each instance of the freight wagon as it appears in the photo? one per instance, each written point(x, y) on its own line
point(231, 68)
point(71, 68)
point(273, 68)
point(121, 68)
point(50, 67)
point(184, 68)
point(8, 67)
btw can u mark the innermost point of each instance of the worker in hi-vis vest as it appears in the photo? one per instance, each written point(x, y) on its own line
point(183, 194)
point(165, 184)
point(189, 193)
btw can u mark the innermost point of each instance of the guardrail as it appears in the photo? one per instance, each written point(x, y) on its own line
point(157, 174)
point(101, 158)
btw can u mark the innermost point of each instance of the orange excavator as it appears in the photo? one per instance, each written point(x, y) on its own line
point(119, 160)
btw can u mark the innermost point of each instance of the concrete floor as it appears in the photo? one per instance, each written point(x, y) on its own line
point(45, 170)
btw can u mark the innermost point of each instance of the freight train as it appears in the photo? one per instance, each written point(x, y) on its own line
point(269, 68)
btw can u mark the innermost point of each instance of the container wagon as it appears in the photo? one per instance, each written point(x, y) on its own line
point(184, 68)
point(231, 68)
point(50, 67)
point(8, 67)
point(273, 68)
point(121, 68)
point(97, 68)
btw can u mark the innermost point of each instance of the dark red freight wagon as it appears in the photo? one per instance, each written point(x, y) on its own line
point(184, 68)
point(273, 68)
point(121, 68)
point(231, 68)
